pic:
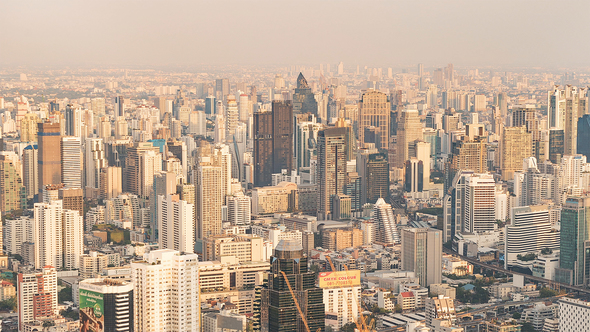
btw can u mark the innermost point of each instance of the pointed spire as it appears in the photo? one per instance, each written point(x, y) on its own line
point(302, 82)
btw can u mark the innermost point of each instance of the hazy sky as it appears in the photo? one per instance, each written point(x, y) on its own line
point(374, 33)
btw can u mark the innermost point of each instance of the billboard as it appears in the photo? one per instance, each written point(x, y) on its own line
point(91, 311)
point(340, 279)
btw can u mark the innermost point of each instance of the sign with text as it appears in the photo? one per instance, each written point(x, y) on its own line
point(340, 279)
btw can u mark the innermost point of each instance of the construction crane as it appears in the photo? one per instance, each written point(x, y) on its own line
point(362, 327)
point(297, 303)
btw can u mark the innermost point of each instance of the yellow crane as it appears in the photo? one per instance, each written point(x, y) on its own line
point(296, 302)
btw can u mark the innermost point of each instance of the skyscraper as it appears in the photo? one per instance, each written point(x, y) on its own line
point(94, 163)
point(282, 137)
point(575, 230)
point(166, 292)
point(422, 253)
point(377, 177)
point(208, 184)
point(283, 315)
point(374, 111)
point(120, 107)
point(31, 170)
point(176, 229)
point(263, 153)
point(331, 167)
point(12, 191)
point(132, 172)
point(232, 117)
point(37, 295)
point(49, 154)
point(583, 136)
point(28, 127)
point(71, 162)
point(303, 99)
point(385, 220)
point(106, 304)
point(516, 145)
point(409, 129)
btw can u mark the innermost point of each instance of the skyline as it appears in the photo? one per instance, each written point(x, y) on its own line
point(392, 34)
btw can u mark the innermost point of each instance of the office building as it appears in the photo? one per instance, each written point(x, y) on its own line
point(342, 299)
point(111, 182)
point(239, 209)
point(289, 264)
point(409, 130)
point(245, 248)
point(303, 99)
point(120, 107)
point(176, 223)
point(306, 136)
point(49, 154)
point(263, 142)
point(331, 167)
point(529, 231)
point(29, 127)
point(166, 292)
point(422, 253)
point(13, 194)
point(72, 199)
point(138, 171)
point(37, 295)
point(516, 145)
point(106, 305)
point(574, 230)
point(374, 111)
point(339, 239)
point(583, 136)
point(377, 177)
point(574, 315)
point(386, 227)
point(95, 161)
point(276, 199)
point(556, 145)
point(414, 176)
point(31, 170)
point(71, 162)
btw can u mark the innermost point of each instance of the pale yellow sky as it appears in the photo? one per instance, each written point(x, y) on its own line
point(374, 33)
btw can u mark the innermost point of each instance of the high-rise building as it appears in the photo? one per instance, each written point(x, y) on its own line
point(49, 154)
point(516, 145)
point(73, 239)
point(263, 152)
point(374, 111)
point(574, 234)
point(583, 136)
point(331, 167)
point(478, 197)
point(138, 172)
point(37, 295)
point(13, 195)
point(209, 197)
point(283, 315)
point(73, 121)
point(377, 177)
point(106, 305)
point(303, 99)
point(71, 162)
point(239, 209)
point(384, 219)
point(176, 224)
point(221, 88)
point(422, 253)
point(31, 170)
point(95, 161)
point(120, 107)
point(29, 127)
point(574, 315)
point(210, 104)
point(409, 130)
point(72, 199)
point(341, 298)
point(48, 239)
point(565, 107)
point(282, 136)
point(414, 175)
point(529, 231)
point(111, 182)
point(305, 137)
point(166, 292)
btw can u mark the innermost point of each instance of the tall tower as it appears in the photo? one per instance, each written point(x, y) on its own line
point(176, 224)
point(574, 233)
point(232, 117)
point(409, 130)
point(95, 162)
point(282, 126)
point(583, 136)
point(12, 191)
point(374, 111)
point(331, 167)
point(516, 145)
point(283, 314)
point(385, 220)
point(120, 107)
point(377, 177)
point(31, 170)
point(303, 99)
point(422, 253)
point(263, 153)
point(71, 162)
point(49, 154)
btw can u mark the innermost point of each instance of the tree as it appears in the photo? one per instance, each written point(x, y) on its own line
point(48, 323)
point(9, 304)
point(398, 308)
point(516, 315)
point(348, 327)
point(527, 327)
point(547, 292)
point(65, 295)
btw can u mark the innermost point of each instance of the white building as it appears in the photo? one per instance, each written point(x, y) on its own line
point(176, 223)
point(166, 292)
point(73, 239)
point(529, 232)
point(48, 235)
point(341, 302)
point(71, 162)
point(385, 221)
point(574, 315)
point(41, 285)
point(480, 202)
point(239, 209)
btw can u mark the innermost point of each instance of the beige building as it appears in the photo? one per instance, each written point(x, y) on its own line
point(274, 199)
point(92, 264)
point(229, 274)
point(409, 130)
point(374, 111)
point(516, 145)
point(245, 248)
point(111, 182)
point(339, 239)
point(28, 127)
